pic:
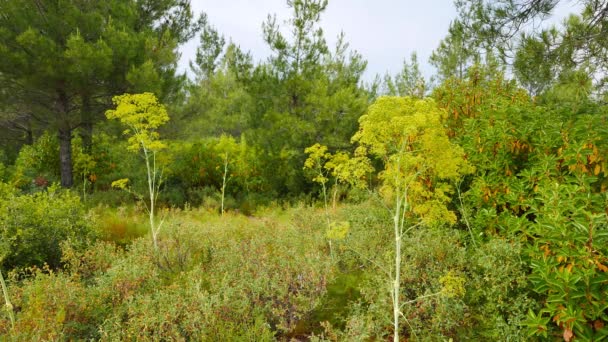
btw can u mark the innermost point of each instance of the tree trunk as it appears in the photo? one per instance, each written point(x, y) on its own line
point(29, 134)
point(65, 157)
point(65, 140)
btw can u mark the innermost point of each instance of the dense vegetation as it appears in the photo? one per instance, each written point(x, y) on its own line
point(290, 200)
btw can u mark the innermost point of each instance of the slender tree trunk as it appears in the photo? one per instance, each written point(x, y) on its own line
point(65, 157)
point(29, 134)
point(65, 141)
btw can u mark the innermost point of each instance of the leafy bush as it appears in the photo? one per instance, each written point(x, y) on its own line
point(32, 227)
point(498, 292)
point(231, 278)
point(53, 306)
point(198, 167)
point(541, 179)
point(37, 165)
point(110, 198)
point(494, 305)
point(3, 172)
point(569, 258)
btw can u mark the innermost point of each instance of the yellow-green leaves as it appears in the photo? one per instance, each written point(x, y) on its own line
point(344, 168)
point(338, 230)
point(120, 184)
point(350, 170)
point(408, 135)
point(317, 156)
point(452, 285)
point(142, 114)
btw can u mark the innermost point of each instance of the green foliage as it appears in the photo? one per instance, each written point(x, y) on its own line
point(197, 170)
point(54, 306)
point(233, 277)
point(33, 227)
point(341, 166)
point(37, 165)
point(8, 306)
point(456, 52)
point(541, 180)
point(408, 82)
point(208, 52)
point(516, 168)
point(120, 226)
point(569, 261)
point(497, 291)
point(65, 60)
point(533, 65)
point(317, 158)
point(3, 172)
point(219, 101)
point(305, 94)
point(409, 138)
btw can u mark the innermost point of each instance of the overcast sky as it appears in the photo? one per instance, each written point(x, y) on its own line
point(383, 31)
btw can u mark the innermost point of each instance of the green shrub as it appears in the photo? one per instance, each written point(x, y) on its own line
point(54, 306)
point(541, 178)
point(37, 165)
point(110, 198)
point(494, 305)
point(90, 264)
point(498, 292)
point(185, 312)
point(3, 172)
point(211, 279)
point(33, 227)
point(272, 277)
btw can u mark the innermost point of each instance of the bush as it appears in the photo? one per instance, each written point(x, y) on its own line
point(110, 198)
point(493, 307)
point(498, 292)
point(32, 227)
point(185, 312)
point(37, 165)
point(2, 172)
point(233, 278)
point(272, 277)
point(229, 278)
point(53, 306)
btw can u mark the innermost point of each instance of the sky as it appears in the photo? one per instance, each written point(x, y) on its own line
point(385, 32)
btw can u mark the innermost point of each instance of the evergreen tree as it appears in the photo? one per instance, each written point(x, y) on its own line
point(63, 60)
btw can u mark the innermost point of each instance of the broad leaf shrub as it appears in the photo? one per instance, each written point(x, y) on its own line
point(571, 272)
point(541, 181)
point(33, 227)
